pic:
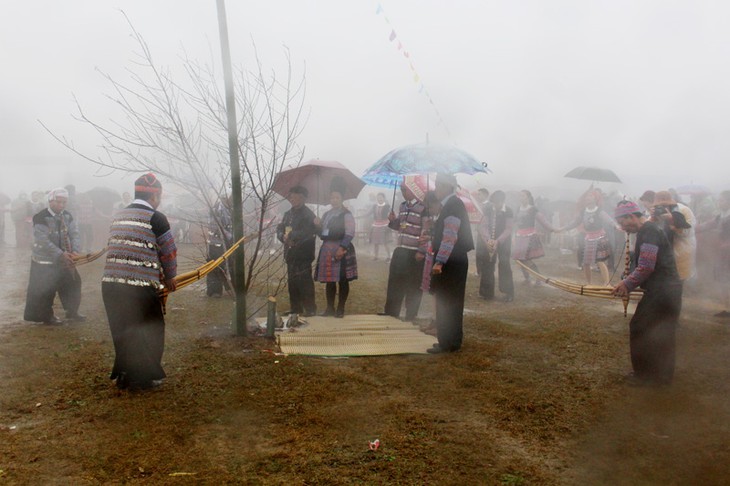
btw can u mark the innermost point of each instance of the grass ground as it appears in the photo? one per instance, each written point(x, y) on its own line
point(534, 397)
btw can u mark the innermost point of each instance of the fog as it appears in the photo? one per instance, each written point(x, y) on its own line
point(533, 88)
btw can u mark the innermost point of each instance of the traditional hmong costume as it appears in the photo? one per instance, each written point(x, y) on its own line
point(338, 230)
point(654, 323)
point(527, 244)
point(452, 241)
point(141, 255)
point(405, 272)
point(54, 234)
point(379, 232)
point(597, 247)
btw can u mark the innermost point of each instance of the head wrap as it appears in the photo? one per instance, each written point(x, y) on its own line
point(625, 208)
point(664, 198)
point(148, 183)
point(56, 193)
point(446, 179)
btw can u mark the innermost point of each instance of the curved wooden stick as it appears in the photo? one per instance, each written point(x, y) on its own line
point(185, 279)
point(600, 291)
point(88, 257)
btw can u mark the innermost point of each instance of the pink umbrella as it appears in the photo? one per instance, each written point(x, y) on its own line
point(419, 184)
point(316, 176)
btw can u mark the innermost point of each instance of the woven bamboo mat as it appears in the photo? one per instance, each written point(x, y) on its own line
point(356, 335)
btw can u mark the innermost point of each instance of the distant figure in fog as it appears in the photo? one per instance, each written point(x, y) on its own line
point(653, 326)
point(379, 232)
point(678, 222)
point(647, 202)
point(527, 245)
point(126, 201)
point(21, 213)
point(4, 201)
point(596, 244)
point(481, 196)
point(85, 219)
point(220, 238)
point(721, 264)
point(52, 271)
point(497, 231)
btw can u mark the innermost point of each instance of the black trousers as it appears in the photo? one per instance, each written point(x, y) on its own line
point(301, 287)
point(137, 325)
point(502, 263)
point(45, 281)
point(404, 283)
point(653, 334)
point(449, 289)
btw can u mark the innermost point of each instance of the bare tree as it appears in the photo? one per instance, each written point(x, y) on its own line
point(176, 127)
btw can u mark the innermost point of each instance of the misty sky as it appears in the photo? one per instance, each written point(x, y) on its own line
point(534, 88)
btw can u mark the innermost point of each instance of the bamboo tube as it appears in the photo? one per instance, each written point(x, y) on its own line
point(187, 278)
point(597, 291)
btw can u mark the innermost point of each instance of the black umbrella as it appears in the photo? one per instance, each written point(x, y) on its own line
point(593, 174)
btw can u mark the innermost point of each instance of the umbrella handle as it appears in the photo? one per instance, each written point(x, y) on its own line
point(392, 204)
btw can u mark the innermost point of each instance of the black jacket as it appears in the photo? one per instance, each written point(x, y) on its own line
point(300, 222)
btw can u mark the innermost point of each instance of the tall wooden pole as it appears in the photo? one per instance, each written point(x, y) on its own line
point(238, 266)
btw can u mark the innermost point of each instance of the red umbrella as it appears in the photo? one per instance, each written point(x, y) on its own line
point(420, 183)
point(316, 176)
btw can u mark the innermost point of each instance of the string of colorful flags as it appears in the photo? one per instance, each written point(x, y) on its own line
point(396, 41)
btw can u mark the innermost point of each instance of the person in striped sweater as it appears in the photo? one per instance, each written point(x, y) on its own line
point(406, 265)
point(141, 260)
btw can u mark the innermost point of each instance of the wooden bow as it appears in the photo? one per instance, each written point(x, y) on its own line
point(88, 257)
point(185, 279)
point(600, 291)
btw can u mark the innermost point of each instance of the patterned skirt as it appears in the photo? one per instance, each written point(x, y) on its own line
point(597, 247)
point(527, 245)
point(380, 233)
point(330, 270)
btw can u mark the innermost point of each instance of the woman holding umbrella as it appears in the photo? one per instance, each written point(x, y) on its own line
point(595, 221)
point(337, 262)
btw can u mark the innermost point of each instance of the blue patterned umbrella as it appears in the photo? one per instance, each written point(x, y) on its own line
point(421, 159)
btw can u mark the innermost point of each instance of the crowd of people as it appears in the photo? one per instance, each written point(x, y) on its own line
point(433, 237)
point(432, 240)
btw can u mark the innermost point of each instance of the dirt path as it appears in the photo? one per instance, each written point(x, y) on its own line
point(534, 397)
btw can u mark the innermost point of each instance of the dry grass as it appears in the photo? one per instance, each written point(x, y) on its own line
point(534, 397)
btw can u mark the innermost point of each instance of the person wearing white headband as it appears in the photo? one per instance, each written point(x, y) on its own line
point(56, 242)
